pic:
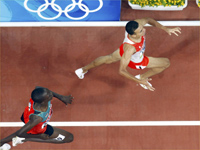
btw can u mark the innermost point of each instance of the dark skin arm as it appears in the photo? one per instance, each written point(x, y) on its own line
point(34, 120)
point(65, 99)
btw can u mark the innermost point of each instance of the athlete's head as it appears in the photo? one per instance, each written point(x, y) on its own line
point(131, 26)
point(135, 29)
point(41, 94)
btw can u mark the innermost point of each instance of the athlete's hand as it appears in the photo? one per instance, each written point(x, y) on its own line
point(145, 82)
point(67, 99)
point(173, 30)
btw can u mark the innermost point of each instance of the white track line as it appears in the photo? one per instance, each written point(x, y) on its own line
point(91, 24)
point(110, 123)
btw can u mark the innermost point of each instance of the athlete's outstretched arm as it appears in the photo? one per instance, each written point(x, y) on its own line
point(128, 51)
point(155, 23)
point(65, 99)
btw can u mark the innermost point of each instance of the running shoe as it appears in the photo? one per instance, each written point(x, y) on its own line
point(79, 73)
point(17, 140)
point(5, 147)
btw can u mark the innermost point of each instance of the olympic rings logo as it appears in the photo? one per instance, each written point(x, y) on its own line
point(67, 9)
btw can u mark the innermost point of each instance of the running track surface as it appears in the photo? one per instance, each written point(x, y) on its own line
point(49, 56)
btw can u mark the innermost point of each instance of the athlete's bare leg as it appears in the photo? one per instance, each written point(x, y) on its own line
point(68, 137)
point(108, 59)
point(59, 136)
point(7, 139)
point(10, 137)
point(156, 65)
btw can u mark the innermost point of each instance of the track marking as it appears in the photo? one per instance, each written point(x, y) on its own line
point(91, 24)
point(110, 123)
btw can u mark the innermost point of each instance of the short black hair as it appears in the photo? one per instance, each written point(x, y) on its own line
point(38, 95)
point(131, 26)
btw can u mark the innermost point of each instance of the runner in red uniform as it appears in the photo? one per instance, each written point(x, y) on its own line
point(138, 60)
point(36, 116)
point(42, 126)
point(131, 53)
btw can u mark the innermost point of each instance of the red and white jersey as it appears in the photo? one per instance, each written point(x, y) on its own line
point(138, 56)
point(42, 126)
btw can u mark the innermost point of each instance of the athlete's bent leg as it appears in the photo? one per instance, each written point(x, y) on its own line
point(108, 59)
point(7, 139)
point(59, 136)
point(156, 66)
point(10, 137)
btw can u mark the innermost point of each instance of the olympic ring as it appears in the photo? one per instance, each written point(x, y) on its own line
point(67, 9)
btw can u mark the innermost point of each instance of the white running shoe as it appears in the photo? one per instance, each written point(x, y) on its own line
point(142, 85)
point(17, 140)
point(5, 147)
point(79, 73)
